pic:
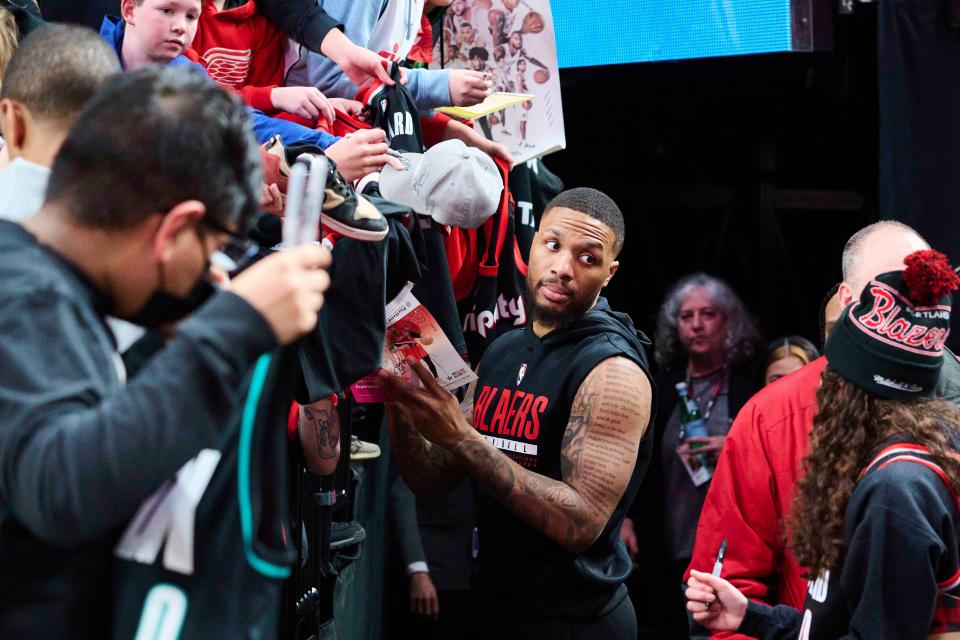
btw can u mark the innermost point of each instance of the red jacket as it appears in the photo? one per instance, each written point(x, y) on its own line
point(422, 50)
point(752, 488)
point(241, 50)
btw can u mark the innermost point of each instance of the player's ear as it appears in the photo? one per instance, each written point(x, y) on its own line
point(613, 269)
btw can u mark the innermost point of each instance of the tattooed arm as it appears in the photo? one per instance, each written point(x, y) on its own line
point(609, 416)
point(319, 427)
point(428, 469)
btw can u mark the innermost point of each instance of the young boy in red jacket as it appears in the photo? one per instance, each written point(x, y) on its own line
point(243, 51)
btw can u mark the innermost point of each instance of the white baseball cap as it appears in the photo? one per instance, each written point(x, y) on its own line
point(454, 184)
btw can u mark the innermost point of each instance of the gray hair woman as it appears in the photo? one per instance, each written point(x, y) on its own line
point(704, 325)
point(707, 340)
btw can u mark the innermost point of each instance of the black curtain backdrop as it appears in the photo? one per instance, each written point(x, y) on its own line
point(756, 169)
point(919, 96)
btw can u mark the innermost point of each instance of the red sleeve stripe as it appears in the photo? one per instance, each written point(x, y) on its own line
point(903, 446)
point(894, 450)
point(950, 583)
point(293, 419)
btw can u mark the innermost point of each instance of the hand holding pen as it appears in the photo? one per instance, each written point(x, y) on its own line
point(714, 602)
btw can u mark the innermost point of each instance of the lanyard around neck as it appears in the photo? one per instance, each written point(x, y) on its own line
point(715, 393)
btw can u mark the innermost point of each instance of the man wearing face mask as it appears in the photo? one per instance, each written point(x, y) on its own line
point(160, 171)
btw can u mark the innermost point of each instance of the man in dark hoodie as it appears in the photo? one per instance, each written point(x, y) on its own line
point(559, 443)
point(159, 171)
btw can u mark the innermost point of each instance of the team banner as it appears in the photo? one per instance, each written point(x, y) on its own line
point(514, 41)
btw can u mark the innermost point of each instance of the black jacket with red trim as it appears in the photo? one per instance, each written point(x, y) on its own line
point(901, 574)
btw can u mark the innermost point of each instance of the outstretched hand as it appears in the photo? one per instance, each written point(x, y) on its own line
point(432, 410)
point(498, 150)
point(468, 88)
point(360, 153)
point(711, 446)
point(349, 107)
point(358, 63)
point(714, 602)
point(306, 102)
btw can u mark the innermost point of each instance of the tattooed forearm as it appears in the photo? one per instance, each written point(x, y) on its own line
point(426, 468)
point(325, 425)
point(320, 436)
point(553, 507)
point(607, 420)
point(491, 468)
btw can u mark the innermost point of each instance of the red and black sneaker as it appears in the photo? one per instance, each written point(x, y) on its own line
point(349, 213)
point(344, 211)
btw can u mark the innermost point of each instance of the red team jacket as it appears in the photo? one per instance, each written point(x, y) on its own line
point(240, 50)
point(752, 488)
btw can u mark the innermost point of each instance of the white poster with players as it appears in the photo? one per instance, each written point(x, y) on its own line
point(514, 41)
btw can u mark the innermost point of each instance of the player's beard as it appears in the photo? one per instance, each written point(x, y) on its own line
point(578, 304)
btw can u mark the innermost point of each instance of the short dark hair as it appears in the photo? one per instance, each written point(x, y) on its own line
point(57, 69)
point(595, 204)
point(479, 52)
point(151, 139)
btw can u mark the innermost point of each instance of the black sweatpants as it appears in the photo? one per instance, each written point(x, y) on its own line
point(620, 623)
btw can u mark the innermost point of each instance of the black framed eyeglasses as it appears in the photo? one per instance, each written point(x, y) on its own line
point(238, 249)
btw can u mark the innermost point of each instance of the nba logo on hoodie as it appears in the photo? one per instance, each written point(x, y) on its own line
point(521, 373)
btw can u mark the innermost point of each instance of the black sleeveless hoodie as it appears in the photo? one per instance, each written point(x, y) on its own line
point(522, 405)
